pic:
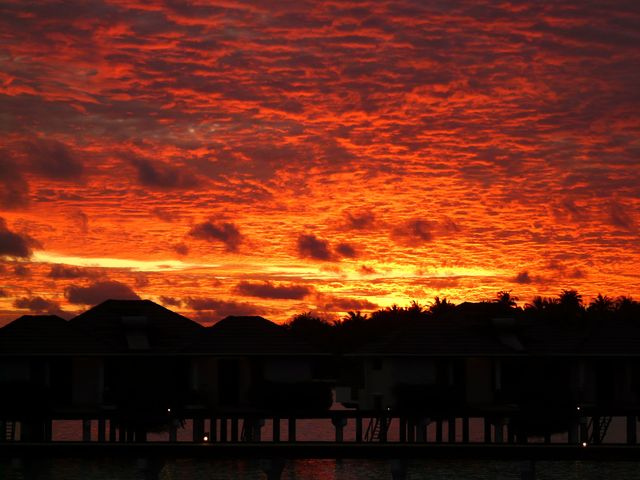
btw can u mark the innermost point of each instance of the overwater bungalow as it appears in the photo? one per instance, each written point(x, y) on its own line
point(536, 374)
point(47, 366)
point(250, 363)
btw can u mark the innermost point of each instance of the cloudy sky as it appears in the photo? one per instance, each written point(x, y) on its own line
point(327, 156)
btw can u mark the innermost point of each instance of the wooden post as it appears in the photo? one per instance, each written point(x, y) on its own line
point(198, 430)
point(402, 429)
point(234, 429)
point(223, 429)
point(358, 429)
point(173, 430)
point(438, 431)
point(572, 437)
point(595, 429)
point(411, 433)
point(48, 430)
point(632, 436)
point(497, 428)
point(339, 423)
point(384, 423)
point(141, 435)
point(257, 429)
point(131, 434)
point(487, 430)
point(86, 430)
point(422, 430)
point(276, 429)
point(101, 429)
point(292, 429)
point(213, 429)
point(465, 429)
point(451, 430)
point(113, 430)
point(511, 436)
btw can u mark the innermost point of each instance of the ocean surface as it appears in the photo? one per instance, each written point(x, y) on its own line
point(80, 469)
point(325, 469)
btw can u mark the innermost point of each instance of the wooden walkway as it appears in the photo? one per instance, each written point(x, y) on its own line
point(167, 450)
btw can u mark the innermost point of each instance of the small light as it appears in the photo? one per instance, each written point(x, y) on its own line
point(577, 408)
point(205, 438)
point(168, 410)
point(584, 444)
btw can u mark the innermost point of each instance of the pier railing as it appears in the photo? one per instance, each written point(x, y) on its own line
point(198, 427)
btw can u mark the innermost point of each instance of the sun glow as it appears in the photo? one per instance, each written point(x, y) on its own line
point(165, 265)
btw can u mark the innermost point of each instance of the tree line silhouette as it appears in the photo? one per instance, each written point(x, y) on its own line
point(356, 329)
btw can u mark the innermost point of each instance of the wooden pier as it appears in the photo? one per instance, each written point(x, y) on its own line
point(355, 434)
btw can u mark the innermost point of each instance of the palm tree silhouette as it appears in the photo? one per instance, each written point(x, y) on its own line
point(601, 307)
point(439, 308)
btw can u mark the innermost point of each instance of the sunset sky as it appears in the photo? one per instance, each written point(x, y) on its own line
point(290, 156)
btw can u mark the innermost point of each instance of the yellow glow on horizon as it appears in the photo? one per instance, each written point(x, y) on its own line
point(119, 263)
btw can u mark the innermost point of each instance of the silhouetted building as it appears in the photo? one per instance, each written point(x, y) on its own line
point(143, 375)
point(244, 363)
point(472, 361)
point(47, 366)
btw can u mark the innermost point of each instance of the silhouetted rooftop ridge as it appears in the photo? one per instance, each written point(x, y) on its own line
point(138, 326)
point(46, 335)
point(248, 335)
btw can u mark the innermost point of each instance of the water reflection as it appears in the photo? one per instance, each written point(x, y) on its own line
point(78, 469)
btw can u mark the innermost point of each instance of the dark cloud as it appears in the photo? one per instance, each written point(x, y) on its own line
point(140, 280)
point(221, 308)
point(159, 175)
point(620, 216)
point(181, 249)
point(420, 230)
point(171, 301)
point(165, 215)
point(360, 220)
point(270, 290)
point(99, 292)
point(447, 226)
point(3, 293)
point(61, 271)
point(337, 304)
point(414, 232)
point(226, 233)
point(14, 244)
point(522, 278)
point(346, 250)
point(366, 270)
point(37, 305)
point(309, 246)
point(53, 160)
point(21, 271)
point(577, 273)
point(14, 189)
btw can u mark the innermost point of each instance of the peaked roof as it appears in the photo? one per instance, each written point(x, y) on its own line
point(46, 335)
point(137, 326)
point(248, 335)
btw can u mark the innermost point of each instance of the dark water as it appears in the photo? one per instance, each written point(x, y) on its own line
point(76, 469)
